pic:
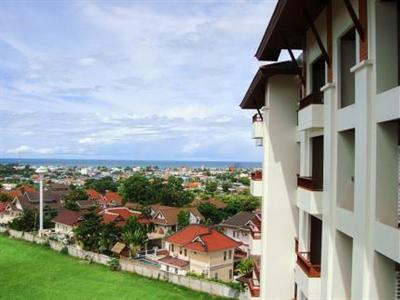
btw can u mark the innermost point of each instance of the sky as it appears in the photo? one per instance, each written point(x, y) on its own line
point(136, 80)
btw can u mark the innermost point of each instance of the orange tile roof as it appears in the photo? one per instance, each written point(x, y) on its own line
point(120, 215)
point(202, 238)
point(112, 197)
point(93, 194)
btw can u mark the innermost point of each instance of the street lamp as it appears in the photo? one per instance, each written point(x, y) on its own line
point(41, 171)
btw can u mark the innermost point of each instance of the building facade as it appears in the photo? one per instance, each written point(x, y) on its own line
point(330, 133)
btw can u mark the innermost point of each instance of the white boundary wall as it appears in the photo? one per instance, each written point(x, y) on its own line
point(213, 288)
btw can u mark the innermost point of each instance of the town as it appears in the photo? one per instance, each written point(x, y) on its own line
point(203, 222)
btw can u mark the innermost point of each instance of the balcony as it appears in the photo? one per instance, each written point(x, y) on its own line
point(311, 113)
point(303, 260)
point(307, 275)
point(309, 183)
point(309, 195)
point(257, 133)
point(256, 184)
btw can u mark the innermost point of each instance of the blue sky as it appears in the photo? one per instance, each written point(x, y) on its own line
point(128, 80)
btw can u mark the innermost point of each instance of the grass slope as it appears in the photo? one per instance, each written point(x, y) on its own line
point(29, 271)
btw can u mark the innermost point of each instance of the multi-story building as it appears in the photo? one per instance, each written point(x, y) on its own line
point(329, 125)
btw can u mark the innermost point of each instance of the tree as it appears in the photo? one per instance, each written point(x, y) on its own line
point(183, 219)
point(245, 266)
point(211, 213)
point(245, 181)
point(26, 222)
point(87, 232)
point(76, 194)
point(109, 235)
point(29, 220)
point(240, 202)
point(134, 234)
point(4, 197)
point(137, 189)
point(226, 185)
point(211, 186)
point(102, 185)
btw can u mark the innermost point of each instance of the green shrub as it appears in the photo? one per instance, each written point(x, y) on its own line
point(113, 264)
point(64, 250)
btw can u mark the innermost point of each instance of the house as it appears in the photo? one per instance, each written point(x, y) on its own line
point(29, 200)
point(110, 199)
point(329, 122)
point(5, 217)
point(202, 250)
point(66, 221)
point(94, 195)
point(119, 215)
point(242, 227)
point(165, 218)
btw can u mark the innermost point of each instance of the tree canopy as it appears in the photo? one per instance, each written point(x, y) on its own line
point(144, 191)
point(102, 185)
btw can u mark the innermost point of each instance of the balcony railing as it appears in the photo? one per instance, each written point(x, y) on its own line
point(314, 98)
point(312, 270)
point(309, 183)
point(253, 287)
point(257, 118)
point(256, 175)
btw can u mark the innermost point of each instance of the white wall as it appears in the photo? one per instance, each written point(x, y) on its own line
point(280, 165)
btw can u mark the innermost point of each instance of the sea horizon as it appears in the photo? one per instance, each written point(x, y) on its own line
point(129, 163)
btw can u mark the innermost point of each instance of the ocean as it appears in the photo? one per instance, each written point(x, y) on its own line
point(130, 163)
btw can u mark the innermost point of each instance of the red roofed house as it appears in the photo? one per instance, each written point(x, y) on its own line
point(202, 250)
point(120, 215)
point(66, 221)
point(110, 199)
point(94, 195)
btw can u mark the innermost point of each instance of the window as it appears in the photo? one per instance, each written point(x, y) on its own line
point(230, 254)
point(230, 274)
point(172, 248)
point(180, 250)
point(216, 276)
point(224, 255)
point(318, 75)
point(176, 270)
point(347, 61)
point(185, 252)
point(234, 233)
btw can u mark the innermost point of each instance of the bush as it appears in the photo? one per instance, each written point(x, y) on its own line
point(113, 264)
point(64, 250)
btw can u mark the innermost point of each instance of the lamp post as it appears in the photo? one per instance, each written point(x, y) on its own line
point(41, 171)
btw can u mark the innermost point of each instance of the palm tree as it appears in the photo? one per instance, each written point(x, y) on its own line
point(134, 234)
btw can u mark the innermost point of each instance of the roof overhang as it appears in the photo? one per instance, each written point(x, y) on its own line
point(255, 95)
point(287, 27)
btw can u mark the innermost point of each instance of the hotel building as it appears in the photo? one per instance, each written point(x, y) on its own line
point(329, 124)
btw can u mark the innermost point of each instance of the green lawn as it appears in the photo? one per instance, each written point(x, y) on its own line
point(29, 271)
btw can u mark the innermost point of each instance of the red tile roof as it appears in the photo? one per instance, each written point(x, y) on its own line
point(68, 217)
point(93, 194)
point(3, 206)
point(202, 238)
point(173, 261)
point(112, 197)
point(120, 215)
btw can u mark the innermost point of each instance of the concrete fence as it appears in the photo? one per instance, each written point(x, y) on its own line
point(132, 266)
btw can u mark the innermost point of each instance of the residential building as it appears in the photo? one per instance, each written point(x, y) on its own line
point(202, 250)
point(243, 229)
point(29, 200)
point(330, 129)
point(119, 215)
point(165, 218)
point(66, 221)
